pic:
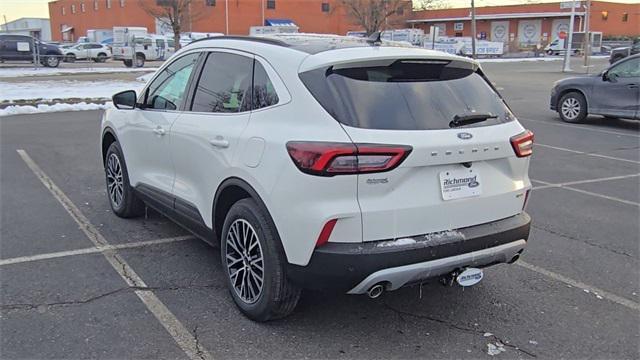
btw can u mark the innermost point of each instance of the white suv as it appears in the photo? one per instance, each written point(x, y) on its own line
point(324, 162)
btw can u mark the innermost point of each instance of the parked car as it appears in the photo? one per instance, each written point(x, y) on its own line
point(21, 48)
point(612, 93)
point(620, 53)
point(87, 51)
point(324, 162)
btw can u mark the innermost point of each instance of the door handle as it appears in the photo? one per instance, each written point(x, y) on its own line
point(633, 86)
point(159, 131)
point(219, 142)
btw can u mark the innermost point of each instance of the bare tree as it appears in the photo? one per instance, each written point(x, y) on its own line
point(174, 13)
point(377, 15)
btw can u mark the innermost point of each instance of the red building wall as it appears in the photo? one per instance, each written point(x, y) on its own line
point(242, 14)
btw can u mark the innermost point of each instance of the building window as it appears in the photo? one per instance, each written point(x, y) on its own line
point(108, 4)
point(325, 7)
point(625, 17)
point(73, 8)
point(271, 4)
point(95, 5)
point(210, 2)
point(63, 11)
point(400, 11)
point(121, 3)
point(82, 7)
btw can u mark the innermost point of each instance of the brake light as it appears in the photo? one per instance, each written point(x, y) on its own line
point(523, 143)
point(329, 158)
point(325, 234)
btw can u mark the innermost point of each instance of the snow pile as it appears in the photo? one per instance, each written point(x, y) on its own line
point(42, 108)
point(22, 72)
point(495, 349)
point(65, 89)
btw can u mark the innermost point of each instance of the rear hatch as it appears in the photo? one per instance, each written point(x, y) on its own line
point(462, 169)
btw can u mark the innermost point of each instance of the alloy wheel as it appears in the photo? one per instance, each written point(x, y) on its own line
point(245, 262)
point(115, 184)
point(570, 108)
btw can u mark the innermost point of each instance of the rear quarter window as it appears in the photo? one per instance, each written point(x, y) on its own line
point(406, 95)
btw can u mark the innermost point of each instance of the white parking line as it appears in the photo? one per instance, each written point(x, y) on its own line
point(91, 250)
point(578, 182)
point(549, 185)
point(580, 127)
point(174, 327)
point(587, 153)
point(605, 294)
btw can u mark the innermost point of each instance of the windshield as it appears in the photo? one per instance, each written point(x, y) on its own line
point(406, 95)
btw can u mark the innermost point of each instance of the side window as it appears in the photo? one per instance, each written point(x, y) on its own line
point(263, 92)
point(224, 84)
point(626, 69)
point(167, 91)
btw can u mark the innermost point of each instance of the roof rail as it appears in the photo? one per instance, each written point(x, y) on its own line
point(263, 40)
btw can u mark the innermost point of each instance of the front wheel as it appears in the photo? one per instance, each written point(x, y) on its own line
point(52, 61)
point(70, 58)
point(122, 198)
point(255, 263)
point(572, 107)
point(139, 60)
point(128, 63)
point(101, 58)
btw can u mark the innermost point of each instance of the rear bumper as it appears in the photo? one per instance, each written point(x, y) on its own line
point(355, 267)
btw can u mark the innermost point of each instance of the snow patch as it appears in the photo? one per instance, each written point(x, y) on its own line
point(487, 334)
point(495, 349)
point(397, 242)
point(533, 342)
point(42, 108)
point(146, 77)
point(65, 89)
point(443, 234)
point(21, 72)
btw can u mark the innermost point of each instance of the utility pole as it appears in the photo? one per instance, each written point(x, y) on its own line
point(569, 39)
point(6, 24)
point(226, 17)
point(262, 4)
point(587, 36)
point(473, 29)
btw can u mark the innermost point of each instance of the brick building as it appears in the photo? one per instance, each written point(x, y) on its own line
point(522, 26)
point(71, 19)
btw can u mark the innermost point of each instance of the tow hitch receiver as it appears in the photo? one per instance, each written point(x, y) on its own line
point(469, 277)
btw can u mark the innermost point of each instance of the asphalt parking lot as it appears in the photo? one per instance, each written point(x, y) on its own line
point(78, 282)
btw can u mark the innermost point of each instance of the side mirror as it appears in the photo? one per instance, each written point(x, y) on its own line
point(125, 100)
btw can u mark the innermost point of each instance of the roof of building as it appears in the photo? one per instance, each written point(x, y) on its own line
point(498, 17)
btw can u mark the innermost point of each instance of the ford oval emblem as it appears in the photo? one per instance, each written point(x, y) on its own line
point(464, 136)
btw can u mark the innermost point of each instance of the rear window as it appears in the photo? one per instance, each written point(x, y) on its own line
point(406, 95)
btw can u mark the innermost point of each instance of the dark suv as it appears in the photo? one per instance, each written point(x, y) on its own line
point(21, 48)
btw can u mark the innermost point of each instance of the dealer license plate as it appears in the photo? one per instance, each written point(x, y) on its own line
point(460, 183)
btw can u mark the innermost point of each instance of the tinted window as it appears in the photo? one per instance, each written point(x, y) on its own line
point(406, 95)
point(167, 91)
point(626, 69)
point(224, 84)
point(263, 92)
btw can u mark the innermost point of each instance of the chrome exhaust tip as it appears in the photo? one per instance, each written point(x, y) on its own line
point(375, 291)
point(514, 259)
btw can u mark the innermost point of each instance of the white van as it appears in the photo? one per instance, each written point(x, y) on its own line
point(134, 46)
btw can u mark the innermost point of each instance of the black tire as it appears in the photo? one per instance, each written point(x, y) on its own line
point(128, 63)
point(139, 60)
point(549, 52)
point(70, 58)
point(129, 205)
point(101, 58)
point(51, 61)
point(278, 296)
point(572, 107)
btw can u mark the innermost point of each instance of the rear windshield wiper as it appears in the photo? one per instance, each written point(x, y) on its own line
point(462, 120)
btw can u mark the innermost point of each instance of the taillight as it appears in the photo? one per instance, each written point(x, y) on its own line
point(523, 143)
point(329, 158)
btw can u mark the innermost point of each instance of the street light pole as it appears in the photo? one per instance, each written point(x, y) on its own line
point(473, 29)
point(569, 39)
point(587, 35)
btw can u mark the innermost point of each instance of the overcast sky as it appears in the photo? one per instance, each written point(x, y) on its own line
point(14, 9)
